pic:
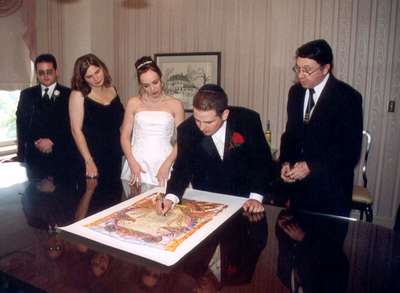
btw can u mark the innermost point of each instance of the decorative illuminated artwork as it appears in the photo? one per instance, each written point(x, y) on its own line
point(139, 223)
point(133, 226)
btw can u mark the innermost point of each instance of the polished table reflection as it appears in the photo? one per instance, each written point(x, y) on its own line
point(276, 251)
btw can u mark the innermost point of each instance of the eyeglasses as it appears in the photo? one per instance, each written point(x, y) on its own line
point(305, 70)
point(45, 72)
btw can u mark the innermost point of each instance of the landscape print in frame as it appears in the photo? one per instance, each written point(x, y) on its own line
point(185, 73)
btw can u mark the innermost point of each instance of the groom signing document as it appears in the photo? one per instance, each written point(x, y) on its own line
point(220, 149)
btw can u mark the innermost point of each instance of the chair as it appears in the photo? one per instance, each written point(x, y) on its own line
point(362, 199)
point(397, 221)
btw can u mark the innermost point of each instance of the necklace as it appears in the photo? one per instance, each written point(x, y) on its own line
point(100, 97)
point(153, 102)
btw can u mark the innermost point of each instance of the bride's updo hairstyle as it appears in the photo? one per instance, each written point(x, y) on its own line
point(145, 64)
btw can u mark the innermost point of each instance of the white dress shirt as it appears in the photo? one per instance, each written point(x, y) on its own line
point(50, 91)
point(318, 90)
point(219, 139)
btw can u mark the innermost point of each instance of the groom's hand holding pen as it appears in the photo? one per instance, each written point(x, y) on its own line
point(163, 205)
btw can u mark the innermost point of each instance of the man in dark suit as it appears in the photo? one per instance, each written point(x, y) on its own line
point(43, 132)
point(322, 141)
point(220, 149)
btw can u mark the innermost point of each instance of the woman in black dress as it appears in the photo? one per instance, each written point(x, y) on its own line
point(96, 115)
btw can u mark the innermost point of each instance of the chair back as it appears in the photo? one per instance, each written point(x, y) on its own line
point(367, 139)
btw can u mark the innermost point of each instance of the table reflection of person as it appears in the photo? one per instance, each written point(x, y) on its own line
point(47, 204)
point(311, 257)
point(220, 149)
point(321, 144)
point(241, 247)
point(96, 195)
point(229, 258)
point(99, 263)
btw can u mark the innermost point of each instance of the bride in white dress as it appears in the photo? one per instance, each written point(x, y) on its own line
point(147, 132)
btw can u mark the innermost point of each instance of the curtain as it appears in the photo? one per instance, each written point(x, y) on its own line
point(18, 43)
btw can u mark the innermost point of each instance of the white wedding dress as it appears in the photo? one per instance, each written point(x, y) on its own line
point(151, 143)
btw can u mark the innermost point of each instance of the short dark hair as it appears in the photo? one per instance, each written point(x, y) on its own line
point(81, 66)
point(211, 97)
point(49, 58)
point(318, 50)
point(144, 64)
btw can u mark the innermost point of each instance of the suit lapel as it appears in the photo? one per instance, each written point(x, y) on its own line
point(38, 93)
point(325, 95)
point(209, 147)
point(228, 136)
point(53, 97)
point(299, 104)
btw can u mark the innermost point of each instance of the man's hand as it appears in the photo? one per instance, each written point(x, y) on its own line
point(253, 218)
point(44, 145)
point(285, 173)
point(294, 231)
point(253, 206)
point(163, 205)
point(299, 171)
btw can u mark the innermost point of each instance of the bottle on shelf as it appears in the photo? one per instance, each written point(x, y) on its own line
point(267, 133)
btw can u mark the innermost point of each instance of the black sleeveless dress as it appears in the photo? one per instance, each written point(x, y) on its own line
point(101, 127)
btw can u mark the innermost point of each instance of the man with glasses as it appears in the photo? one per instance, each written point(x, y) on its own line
point(321, 144)
point(43, 132)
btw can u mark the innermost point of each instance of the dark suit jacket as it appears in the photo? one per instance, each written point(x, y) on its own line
point(245, 168)
point(36, 120)
point(330, 144)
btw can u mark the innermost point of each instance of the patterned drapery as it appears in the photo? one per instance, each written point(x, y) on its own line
point(8, 7)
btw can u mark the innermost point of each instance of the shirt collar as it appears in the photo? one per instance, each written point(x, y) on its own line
point(51, 89)
point(319, 88)
point(221, 132)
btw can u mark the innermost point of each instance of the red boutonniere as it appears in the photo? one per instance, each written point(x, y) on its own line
point(236, 140)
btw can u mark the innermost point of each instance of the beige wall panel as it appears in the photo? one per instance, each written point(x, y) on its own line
point(50, 33)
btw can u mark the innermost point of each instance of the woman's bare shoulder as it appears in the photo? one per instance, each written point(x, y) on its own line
point(174, 102)
point(76, 94)
point(134, 100)
point(133, 104)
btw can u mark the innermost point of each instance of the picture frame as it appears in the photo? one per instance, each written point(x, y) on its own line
point(185, 73)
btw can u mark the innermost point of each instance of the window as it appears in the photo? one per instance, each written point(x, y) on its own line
point(8, 107)
point(8, 133)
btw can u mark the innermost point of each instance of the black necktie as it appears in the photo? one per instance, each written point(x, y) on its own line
point(310, 105)
point(46, 95)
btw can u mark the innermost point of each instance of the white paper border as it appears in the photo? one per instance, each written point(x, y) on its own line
point(164, 257)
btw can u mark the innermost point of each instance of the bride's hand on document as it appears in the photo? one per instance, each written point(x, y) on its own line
point(163, 172)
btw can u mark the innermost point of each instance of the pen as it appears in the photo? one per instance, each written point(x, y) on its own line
point(160, 196)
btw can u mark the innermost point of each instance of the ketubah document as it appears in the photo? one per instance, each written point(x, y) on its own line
point(135, 227)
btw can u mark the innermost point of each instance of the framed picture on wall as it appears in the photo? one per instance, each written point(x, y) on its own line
point(185, 73)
